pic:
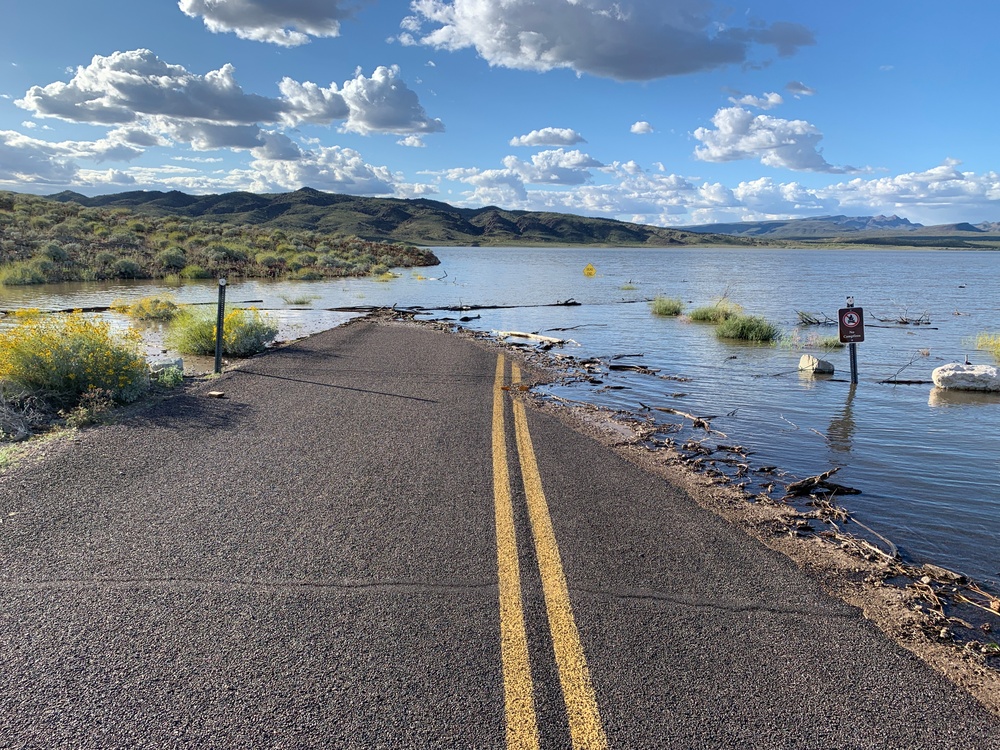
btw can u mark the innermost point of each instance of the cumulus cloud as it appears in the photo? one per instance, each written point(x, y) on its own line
point(412, 141)
point(767, 101)
point(384, 104)
point(549, 137)
point(739, 134)
point(140, 93)
point(28, 160)
point(641, 128)
point(334, 169)
point(284, 22)
point(619, 39)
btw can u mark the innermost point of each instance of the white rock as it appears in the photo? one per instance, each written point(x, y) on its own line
point(967, 377)
point(157, 366)
point(812, 364)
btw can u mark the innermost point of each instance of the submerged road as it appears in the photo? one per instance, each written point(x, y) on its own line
point(369, 543)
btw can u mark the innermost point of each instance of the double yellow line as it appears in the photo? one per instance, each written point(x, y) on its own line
point(586, 730)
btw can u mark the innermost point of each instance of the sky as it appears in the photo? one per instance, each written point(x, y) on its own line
point(665, 112)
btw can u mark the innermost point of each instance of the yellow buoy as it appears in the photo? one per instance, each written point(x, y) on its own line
point(589, 271)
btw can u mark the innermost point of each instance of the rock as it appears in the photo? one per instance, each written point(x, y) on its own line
point(156, 366)
point(816, 366)
point(962, 377)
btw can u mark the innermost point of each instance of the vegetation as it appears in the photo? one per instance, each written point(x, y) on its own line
point(813, 341)
point(147, 308)
point(721, 311)
point(668, 306)
point(989, 342)
point(748, 328)
point(421, 221)
point(58, 359)
point(245, 332)
point(44, 241)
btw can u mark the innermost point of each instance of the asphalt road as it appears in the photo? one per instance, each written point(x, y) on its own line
point(328, 557)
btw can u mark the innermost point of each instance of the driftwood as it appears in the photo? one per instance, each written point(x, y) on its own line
point(531, 337)
point(633, 368)
point(820, 481)
point(703, 423)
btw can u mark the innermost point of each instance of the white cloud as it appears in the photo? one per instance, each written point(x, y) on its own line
point(549, 137)
point(555, 167)
point(412, 141)
point(28, 160)
point(276, 21)
point(641, 128)
point(768, 101)
point(739, 134)
point(141, 93)
point(333, 169)
point(624, 40)
point(384, 104)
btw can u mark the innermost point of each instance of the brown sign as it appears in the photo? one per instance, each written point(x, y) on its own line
point(852, 325)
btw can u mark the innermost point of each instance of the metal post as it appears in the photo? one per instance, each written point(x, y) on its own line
point(219, 324)
point(853, 350)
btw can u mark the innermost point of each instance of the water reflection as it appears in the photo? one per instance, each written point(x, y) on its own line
point(842, 427)
point(950, 397)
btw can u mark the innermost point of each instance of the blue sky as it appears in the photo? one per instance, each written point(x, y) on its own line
point(667, 112)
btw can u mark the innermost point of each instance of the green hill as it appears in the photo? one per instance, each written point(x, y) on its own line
point(419, 222)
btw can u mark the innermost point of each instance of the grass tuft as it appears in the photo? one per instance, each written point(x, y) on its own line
point(721, 311)
point(748, 328)
point(989, 342)
point(667, 306)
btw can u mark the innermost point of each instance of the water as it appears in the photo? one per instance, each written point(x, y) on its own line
point(927, 462)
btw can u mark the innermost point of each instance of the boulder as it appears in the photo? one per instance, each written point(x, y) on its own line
point(816, 366)
point(156, 366)
point(961, 377)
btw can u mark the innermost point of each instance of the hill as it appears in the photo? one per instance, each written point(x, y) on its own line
point(862, 230)
point(419, 222)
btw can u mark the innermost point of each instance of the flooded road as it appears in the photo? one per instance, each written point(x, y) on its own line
point(927, 462)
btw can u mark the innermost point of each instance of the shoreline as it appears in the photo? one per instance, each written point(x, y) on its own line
point(846, 566)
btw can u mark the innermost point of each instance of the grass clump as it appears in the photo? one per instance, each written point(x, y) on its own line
point(146, 308)
point(719, 312)
point(59, 358)
point(748, 328)
point(245, 332)
point(989, 342)
point(667, 306)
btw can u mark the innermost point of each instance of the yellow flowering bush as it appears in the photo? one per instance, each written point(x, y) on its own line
point(245, 332)
point(59, 358)
point(146, 308)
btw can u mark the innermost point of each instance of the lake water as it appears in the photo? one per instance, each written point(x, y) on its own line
point(927, 462)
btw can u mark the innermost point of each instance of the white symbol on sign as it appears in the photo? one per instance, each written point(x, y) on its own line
point(851, 319)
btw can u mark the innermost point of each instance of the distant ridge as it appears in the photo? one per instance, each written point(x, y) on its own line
point(419, 221)
point(834, 227)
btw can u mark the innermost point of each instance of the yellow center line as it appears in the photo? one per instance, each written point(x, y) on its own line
point(586, 729)
point(519, 704)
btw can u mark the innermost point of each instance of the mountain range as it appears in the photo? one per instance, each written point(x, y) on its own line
point(427, 222)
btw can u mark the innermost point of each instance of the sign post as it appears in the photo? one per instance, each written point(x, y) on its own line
point(852, 332)
point(219, 323)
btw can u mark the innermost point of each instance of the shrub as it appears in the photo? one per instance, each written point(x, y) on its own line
point(989, 342)
point(21, 274)
point(172, 279)
point(195, 272)
point(172, 259)
point(747, 328)
point(720, 311)
point(123, 268)
point(54, 252)
point(244, 332)
point(146, 308)
point(669, 306)
point(171, 377)
point(58, 358)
